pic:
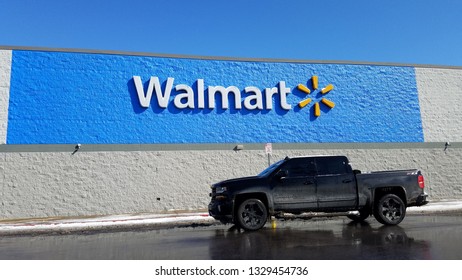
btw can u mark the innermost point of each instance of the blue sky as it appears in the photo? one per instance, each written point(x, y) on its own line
point(411, 32)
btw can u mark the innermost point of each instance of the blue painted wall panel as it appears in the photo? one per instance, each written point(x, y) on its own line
point(60, 98)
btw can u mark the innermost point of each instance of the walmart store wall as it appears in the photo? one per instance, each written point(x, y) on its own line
point(52, 98)
point(91, 98)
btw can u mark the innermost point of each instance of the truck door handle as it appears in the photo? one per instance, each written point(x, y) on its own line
point(347, 181)
point(309, 182)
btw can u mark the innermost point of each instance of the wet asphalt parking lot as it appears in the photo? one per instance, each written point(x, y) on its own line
point(419, 237)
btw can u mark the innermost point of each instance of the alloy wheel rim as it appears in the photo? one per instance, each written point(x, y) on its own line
point(252, 214)
point(391, 209)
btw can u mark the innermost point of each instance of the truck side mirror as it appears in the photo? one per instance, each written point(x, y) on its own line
point(356, 171)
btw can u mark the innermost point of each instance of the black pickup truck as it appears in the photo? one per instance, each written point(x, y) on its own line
point(316, 184)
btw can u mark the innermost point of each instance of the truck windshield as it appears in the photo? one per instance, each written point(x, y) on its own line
point(271, 168)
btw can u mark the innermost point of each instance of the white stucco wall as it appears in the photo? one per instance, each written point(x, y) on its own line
point(5, 74)
point(92, 183)
point(440, 96)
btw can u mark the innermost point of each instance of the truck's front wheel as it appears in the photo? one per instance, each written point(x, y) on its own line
point(251, 214)
point(390, 210)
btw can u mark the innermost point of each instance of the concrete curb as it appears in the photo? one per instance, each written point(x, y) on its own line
point(442, 206)
point(155, 221)
point(104, 223)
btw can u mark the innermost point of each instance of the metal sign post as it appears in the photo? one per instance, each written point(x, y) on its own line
point(269, 151)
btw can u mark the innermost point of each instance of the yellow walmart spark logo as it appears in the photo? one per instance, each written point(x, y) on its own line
point(325, 101)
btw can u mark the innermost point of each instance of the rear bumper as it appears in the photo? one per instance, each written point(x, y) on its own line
point(420, 200)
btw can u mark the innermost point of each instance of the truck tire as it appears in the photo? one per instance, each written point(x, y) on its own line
point(363, 214)
point(389, 210)
point(251, 214)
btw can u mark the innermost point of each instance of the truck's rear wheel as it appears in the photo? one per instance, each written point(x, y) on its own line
point(390, 210)
point(251, 214)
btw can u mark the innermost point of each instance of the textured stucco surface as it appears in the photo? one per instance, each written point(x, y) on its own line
point(440, 96)
point(91, 99)
point(93, 183)
point(5, 71)
point(50, 183)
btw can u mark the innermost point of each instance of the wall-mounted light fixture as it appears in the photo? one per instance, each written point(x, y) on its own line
point(446, 145)
point(238, 148)
point(76, 148)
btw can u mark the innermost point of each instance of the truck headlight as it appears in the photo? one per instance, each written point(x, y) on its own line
point(221, 189)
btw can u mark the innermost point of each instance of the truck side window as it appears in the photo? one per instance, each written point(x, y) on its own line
point(300, 168)
point(331, 166)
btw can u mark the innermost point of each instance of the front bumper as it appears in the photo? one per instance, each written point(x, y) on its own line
point(221, 210)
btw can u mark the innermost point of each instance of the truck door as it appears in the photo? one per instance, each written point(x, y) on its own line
point(296, 189)
point(336, 185)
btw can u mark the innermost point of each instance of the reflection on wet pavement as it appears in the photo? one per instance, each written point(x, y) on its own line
point(350, 241)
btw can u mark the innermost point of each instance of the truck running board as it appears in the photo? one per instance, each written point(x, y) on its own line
point(309, 215)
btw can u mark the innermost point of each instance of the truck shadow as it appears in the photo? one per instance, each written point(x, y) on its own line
point(350, 241)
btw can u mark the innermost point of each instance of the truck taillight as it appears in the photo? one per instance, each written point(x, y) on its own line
point(421, 181)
